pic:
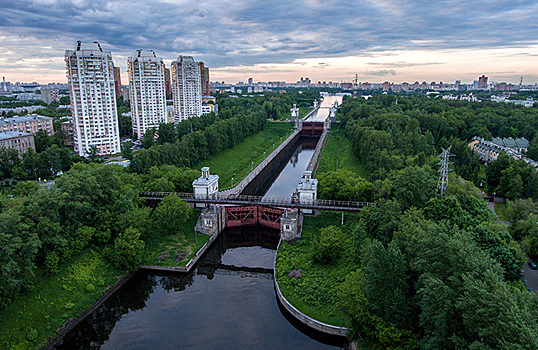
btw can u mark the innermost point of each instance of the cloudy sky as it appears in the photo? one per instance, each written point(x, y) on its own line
point(394, 40)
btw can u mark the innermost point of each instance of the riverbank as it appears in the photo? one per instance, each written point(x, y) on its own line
point(39, 315)
point(314, 293)
point(60, 301)
point(238, 161)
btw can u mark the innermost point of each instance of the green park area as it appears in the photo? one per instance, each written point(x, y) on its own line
point(314, 293)
point(239, 160)
point(338, 154)
point(303, 111)
point(173, 249)
point(30, 319)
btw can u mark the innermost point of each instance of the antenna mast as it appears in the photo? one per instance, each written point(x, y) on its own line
point(442, 183)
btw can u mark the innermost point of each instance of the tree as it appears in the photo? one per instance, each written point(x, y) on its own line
point(93, 154)
point(128, 250)
point(354, 303)
point(171, 215)
point(148, 138)
point(413, 187)
point(127, 150)
point(19, 249)
point(386, 275)
point(494, 171)
point(167, 133)
point(328, 246)
point(42, 140)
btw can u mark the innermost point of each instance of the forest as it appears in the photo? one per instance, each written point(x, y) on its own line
point(430, 271)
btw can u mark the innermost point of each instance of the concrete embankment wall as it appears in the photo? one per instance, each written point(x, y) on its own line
point(304, 319)
point(265, 177)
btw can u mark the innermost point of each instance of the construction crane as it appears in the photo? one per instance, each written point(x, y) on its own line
point(520, 82)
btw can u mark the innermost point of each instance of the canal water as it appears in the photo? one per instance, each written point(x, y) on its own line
point(227, 302)
point(323, 112)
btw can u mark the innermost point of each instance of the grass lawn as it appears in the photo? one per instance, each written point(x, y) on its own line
point(315, 293)
point(482, 171)
point(303, 111)
point(55, 299)
point(501, 211)
point(338, 148)
point(238, 161)
point(163, 250)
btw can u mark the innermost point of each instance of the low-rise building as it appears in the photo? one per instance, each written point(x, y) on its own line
point(489, 151)
point(19, 141)
point(30, 123)
point(206, 109)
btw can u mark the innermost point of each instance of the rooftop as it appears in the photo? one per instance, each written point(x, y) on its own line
point(24, 118)
point(12, 134)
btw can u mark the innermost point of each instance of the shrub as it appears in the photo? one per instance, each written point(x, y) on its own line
point(31, 335)
point(328, 248)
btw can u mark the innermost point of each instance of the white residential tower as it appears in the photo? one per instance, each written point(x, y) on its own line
point(147, 91)
point(186, 88)
point(90, 75)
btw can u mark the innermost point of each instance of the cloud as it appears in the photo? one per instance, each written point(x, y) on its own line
point(228, 33)
point(380, 73)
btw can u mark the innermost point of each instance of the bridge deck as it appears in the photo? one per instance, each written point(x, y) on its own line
point(320, 204)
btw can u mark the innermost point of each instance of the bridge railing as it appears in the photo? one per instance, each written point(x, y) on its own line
point(259, 200)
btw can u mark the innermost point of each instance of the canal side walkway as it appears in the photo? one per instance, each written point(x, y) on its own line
point(252, 175)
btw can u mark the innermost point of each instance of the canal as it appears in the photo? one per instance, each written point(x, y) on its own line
point(227, 302)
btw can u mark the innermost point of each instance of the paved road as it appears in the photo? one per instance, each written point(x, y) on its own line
point(531, 276)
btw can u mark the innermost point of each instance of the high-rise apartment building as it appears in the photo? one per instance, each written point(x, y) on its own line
point(167, 83)
point(147, 91)
point(117, 81)
point(483, 82)
point(49, 95)
point(186, 88)
point(204, 79)
point(90, 75)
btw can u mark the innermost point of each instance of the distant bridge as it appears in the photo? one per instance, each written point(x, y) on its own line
point(319, 204)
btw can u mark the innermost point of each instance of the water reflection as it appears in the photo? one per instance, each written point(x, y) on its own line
point(228, 302)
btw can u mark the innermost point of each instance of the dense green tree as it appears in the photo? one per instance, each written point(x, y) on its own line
point(167, 133)
point(494, 171)
point(128, 250)
point(170, 215)
point(413, 186)
point(328, 247)
point(19, 248)
point(344, 185)
point(127, 150)
point(148, 139)
point(388, 292)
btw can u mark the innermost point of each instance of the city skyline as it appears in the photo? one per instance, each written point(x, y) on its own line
point(378, 40)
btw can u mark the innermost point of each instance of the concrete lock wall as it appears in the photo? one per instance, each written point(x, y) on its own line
point(267, 175)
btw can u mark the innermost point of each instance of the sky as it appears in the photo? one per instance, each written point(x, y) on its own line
point(274, 40)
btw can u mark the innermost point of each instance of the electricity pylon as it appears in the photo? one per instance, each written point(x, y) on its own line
point(442, 183)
